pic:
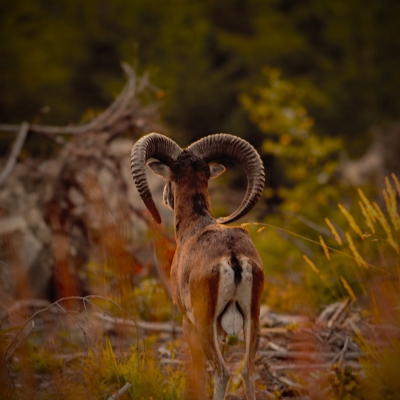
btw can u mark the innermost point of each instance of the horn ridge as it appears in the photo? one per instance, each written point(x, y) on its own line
point(225, 145)
point(153, 145)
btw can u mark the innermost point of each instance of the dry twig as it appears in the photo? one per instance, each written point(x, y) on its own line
point(85, 300)
point(21, 339)
point(307, 355)
point(145, 325)
point(106, 118)
point(120, 392)
point(343, 305)
point(12, 160)
point(310, 366)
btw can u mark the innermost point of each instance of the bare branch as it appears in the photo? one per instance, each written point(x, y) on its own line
point(145, 325)
point(331, 313)
point(69, 357)
point(338, 312)
point(21, 339)
point(12, 160)
point(87, 299)
point(308, 355)
point(120, 392)
point(311, 366)
point(343, 351)
point(106, 118)
point(289, 383)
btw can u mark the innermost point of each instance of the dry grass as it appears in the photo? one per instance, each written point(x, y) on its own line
point(90, 346)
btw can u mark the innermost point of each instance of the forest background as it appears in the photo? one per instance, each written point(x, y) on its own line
point(57, 59)
point(312, 85)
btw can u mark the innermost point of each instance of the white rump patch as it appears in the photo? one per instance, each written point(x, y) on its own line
point(232, 320)
point(231, 293)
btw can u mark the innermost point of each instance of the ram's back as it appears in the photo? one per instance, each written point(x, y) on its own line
point(198, 264)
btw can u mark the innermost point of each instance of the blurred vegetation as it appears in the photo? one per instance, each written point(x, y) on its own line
point(357, 257)
point(315, 209)
point(141, 369)
point(302, 80)
point(59, 59)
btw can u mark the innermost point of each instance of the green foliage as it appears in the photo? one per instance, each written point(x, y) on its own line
point(359, 259)
point(202, 54)
point(42, 360)
point(377, 379)
point(103, 372)
point(307, 161)
point(344, 383)
point(335, 383)
point(150, 302)
point(309, 192)
point(98, 375)
point(146, 301)
point(308, 189)
point(381, 371)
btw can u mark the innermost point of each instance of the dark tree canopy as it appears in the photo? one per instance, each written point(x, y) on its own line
point(343, 54)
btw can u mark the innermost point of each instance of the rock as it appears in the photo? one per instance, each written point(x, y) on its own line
point(30, 245)
point(76, 197)
point(31, 249)
point(9, 225)
point(379, 161)
point(38, 226)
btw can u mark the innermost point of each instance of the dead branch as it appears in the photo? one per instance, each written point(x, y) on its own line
point(168, 361)
point(343, 351)
point(318, 228)
point(286, 319)
point(21, 339)
point(69, 357)
point(331, 313)
point(16, 149)
point(289, 383)
point(276, 347)
point(25, 303)
point(85, 300)
point(145, 325)
point(311, 366)
point(101, 122)
point(120, 392)
point(308, 355)
point(267, 331)
point(339, 312)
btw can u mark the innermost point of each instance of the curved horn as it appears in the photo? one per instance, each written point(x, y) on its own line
point(224, 145)
point(159, 147)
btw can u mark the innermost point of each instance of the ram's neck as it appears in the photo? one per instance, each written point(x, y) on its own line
point(192, 212)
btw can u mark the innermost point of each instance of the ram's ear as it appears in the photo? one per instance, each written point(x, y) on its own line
point(216, 170)
point(159, 168)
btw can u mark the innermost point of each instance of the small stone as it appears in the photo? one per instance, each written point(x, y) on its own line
point(12, 224)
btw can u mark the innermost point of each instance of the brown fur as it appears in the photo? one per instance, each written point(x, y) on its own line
point(202, 246)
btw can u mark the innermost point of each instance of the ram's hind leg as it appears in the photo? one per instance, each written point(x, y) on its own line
point(196, 350)
point(251, 333)
point(203, 343)
point(251, 330)
point(213, 354)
